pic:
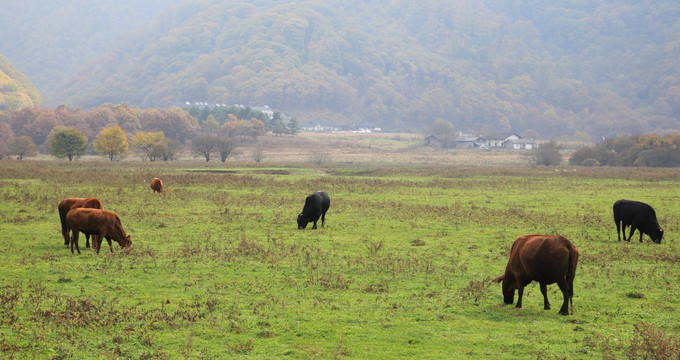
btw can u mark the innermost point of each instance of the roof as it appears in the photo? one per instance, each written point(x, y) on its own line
point(499, 135)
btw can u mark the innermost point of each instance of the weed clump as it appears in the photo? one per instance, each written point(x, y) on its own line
point(651, 343)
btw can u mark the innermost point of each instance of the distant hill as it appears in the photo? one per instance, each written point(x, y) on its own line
point(557, 67)
point(16, 90)
point(49, 40)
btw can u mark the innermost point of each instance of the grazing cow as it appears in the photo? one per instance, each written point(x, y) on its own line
point(157, 185)
point(69, 204)
point(316, 206)
point(639, 216)
point(104, 223)
point(543, 258)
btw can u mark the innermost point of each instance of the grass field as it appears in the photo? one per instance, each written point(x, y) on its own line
point(402, 269)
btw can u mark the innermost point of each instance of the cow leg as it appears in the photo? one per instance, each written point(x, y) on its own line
point(520, 292)
point(314, 227)
point(74, 241)
point(87, 240)
point(640, 235)
point(108, 239)
point(96, 242)
point(632, 231)
point(618, 231)
point(65, 234)
point(544, 291)
point(564, 310)
point(323, 219)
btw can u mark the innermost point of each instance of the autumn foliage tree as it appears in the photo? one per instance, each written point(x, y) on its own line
point(67, 143)
point(148, 142)
point(111, 142)
point(23, 146)
point(234, 128)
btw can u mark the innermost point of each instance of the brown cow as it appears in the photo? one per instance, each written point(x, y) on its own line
point(69, 204)
point(546, 259)
point(157, 185)
point(104, 223)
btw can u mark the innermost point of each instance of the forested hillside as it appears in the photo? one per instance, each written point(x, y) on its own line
point(50, 39)
point(16, 90)
point(555, 67)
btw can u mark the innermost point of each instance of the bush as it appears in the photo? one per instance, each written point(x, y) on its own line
point(548, 154)
point(584, 154)
point(664, 157)
point(590, 162)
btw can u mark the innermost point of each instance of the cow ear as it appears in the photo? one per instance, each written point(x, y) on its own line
point(499, 279)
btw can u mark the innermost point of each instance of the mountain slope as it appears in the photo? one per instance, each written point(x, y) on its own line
point(48, 40)
point(16, 90)
point(556, 68)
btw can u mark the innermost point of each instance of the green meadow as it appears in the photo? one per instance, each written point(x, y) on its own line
point(402, 268)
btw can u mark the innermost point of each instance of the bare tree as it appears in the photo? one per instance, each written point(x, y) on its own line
point(319, 159)
point(258, 154)
point(225, 147)
point(204, 145)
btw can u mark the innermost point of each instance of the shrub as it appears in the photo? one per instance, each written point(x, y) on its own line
point(548, 154)
point(590, 162)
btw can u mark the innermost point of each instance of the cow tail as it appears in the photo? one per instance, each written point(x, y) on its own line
point(571, 273)
point(62, 217)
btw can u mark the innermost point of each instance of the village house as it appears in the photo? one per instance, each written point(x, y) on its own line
point(510, 141)
point(318, 127)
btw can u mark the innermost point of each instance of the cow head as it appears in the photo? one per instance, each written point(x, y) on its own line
point(302, 221)
point(658, 236)
point(127, 242)
point(508, 289)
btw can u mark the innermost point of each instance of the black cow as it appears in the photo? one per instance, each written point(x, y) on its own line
point(639, 216)
point(316, 206)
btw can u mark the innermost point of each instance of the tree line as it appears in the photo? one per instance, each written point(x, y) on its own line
point(639, 150)
point(113, 130)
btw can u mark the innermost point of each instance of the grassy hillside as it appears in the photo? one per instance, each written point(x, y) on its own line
point(402, 268)
point(16, 90)
point(557, 67)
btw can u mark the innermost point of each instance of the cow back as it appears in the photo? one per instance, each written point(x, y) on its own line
point(157, 185)
point(541, 258)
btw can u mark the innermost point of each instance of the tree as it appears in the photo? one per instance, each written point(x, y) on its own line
point(530, 134)
point(67, 142)
point(147, 142)
point(243, 128)
point(445, 132)
point(175, 123)
point(293, 127)
point(548, 154)
point(204, 145)
point(258, 154)
point(23, 146)
point(225, 147)
point(582, 136)
point(6, 138)
point(168, 149)
point(210, 125)
point(112, 142)
point(278, 127)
